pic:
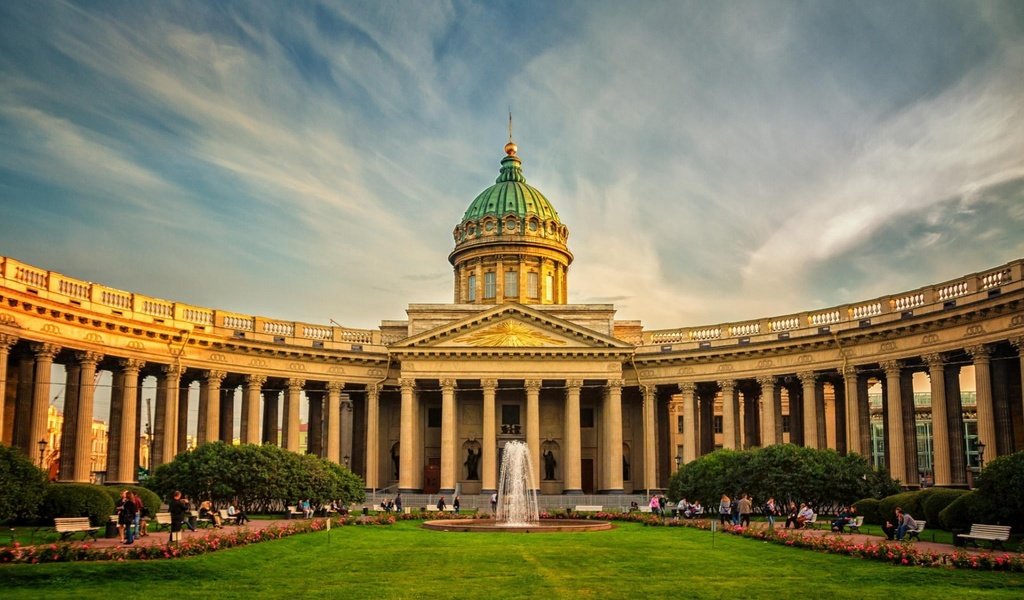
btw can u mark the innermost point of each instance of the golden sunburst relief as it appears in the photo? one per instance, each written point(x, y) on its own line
point(511, 333)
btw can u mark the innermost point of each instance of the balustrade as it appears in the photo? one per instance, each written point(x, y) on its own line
point(951, 291)
point(275, 328)
point(995, 279)
point(745, 329)
point(710, 333)
point(784, 324)
point(825, 318)
point(866, 310)
point(908, 302)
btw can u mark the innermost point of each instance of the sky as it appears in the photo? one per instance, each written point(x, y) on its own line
point(714, 162)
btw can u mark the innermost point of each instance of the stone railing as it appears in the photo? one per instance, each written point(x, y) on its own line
point(943, 296)
point(127, 305)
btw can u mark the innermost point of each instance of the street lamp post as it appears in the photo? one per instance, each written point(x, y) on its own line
point(345, 458)
point(679, 462)
point(981, 456)
point(42, 450)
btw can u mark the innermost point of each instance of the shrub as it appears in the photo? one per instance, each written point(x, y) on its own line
point(937, 501)
point(868, 508)
point(966, 509)
point(908, 501)
point(77, 500)
point(21, 485)
point(1001, 484)
point(149, 499)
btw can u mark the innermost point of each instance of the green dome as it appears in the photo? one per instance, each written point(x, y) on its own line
point(511, 194)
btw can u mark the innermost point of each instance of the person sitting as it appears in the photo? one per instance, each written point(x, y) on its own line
point(906, 523)
point(791, 516)
point(695, 510)
point(841, 520)
point(804, 516)
point(237, 514)
point(633, 506)
point(307, 509)
point(889, 529)
point(206, 512)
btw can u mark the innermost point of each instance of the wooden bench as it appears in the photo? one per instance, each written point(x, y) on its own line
point(294, 512)
point(433, 508)
point(855, 525)
point(226, 518)
point(162, 520)
point(995, 534)
point(588, 508)
point(810, 523)
point(915, 533)
point(68, 526)
point(645, 509)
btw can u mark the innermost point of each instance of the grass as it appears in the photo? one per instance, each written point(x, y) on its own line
point(404, 561)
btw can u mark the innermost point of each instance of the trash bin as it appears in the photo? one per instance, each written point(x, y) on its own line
point(366, 510)
point(958, 541)
point(111, 530)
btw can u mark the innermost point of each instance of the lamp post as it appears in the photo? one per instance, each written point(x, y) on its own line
point(679, 462)
point(981, 456)
point(42, 449)
point(345, 459)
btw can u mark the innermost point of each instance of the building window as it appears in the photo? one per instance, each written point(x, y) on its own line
point(510, 419)
point(433, 417)
point(586, 417)
point(718, 424)
point(490, 284)
point(785, 423)
point(533, 285)
point(471, 291)
point(679, 424)
point(511, 284)
point(549, 287)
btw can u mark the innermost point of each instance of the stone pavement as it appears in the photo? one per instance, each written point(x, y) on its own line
point(163, 536)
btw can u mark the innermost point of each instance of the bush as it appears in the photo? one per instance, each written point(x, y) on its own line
point(76, 500)
point(1001, 485)
point(961, 512)
point(149, 499)
point(908, 501)
point(868, 508)
point(21, 485)
point(936, 502)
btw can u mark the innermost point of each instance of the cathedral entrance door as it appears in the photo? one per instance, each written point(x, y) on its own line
point(587, 475)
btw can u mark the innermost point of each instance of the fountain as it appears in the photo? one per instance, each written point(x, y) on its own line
point(518, 509)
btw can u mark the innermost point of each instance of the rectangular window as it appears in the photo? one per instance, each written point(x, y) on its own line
point(785, 423)
point(471, 291)
point(679, 424)
point(490, 284)
point(533, 285)
point(433, 417)
point(511, 284)
point(586, 417)
point(549, 288)
point(718, 424)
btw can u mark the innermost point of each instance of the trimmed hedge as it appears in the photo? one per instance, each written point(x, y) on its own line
point(76, 500)
point(868, 508)
point(149, 498)
point(937, 501)
point(908, 501)
point(961, 512)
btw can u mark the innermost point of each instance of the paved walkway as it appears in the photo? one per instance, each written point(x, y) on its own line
point(163, 536)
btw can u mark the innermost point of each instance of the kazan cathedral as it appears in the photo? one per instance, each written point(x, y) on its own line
point(926, 382)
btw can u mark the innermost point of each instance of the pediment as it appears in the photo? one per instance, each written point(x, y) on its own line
point(512, 326)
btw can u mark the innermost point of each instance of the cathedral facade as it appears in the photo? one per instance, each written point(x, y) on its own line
point(927, 382)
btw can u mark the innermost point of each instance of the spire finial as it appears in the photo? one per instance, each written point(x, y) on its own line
point(510, 147)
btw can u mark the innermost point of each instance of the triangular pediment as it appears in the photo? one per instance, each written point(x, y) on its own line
point(510, 327)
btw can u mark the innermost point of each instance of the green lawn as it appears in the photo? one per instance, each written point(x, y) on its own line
point(405, 561)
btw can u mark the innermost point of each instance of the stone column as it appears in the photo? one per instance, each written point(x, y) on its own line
point(114, 425)
point(315, 425)
point(227, 414)
point(251, 408)
point(69, 428)
point(489, 460)
point(573, 450)
point(372, 436)
point(165, 426)
point(894, 431)
point(345, 402)
point(650, 400)
point(209, 406)
point(333, 417)
point(183, 392)
point(271, 403)
point(82, 457)
point(688, 389)
point(291, 414)
point(128, 437)
point(849, 374)
point(613, 437)
point(406, 479)
point(448, 429)
point(22, 433)
point(940, 421)
point(533, 427)
point(728, 414)
point(768, 413)
point(1018, 344)
point(44, 355)
point(6, 342)
point(986, 410)
point(810, 409)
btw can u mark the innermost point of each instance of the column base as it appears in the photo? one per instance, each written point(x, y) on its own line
point(576, 492)
point(409, 490)
point(613, 492)
point(488, 492)
point(446, 491)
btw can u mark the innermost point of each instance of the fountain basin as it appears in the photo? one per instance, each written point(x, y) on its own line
point(544, 526)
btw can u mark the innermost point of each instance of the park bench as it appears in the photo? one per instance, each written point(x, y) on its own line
point(226, 518)
point(293, 512)
point(645, 509)
point(433, 508)
point(201, 521)
point(855, 525)
point(915, 533)
point(589, 508)
point(810, 523)
point(162, 520)
point(995, 534)
point(68, 526)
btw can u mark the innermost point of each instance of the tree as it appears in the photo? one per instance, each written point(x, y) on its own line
point(21, 485)
point(1001, 488)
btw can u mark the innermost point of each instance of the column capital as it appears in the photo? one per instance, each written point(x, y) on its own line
point(892, 368)
point(44, 350)
point(1016, 341)
point(532, 385)
point(335, 387)
point(933, 360)
point(978, 352)
point(489, 384)
point(212, 376)
point(255, 380)
point(86, 357)
point(648, 391)
point(372, 391)
point(726, 384)
point(686, 387)
point(806, 376)
point(614, 384)
point(848, 371)
point(7, 340)
point(172, 370)
point(129, 365)
point(764, 380)
point(448, 385)
point(407, 383)
point(296, 384)
point(574, 384)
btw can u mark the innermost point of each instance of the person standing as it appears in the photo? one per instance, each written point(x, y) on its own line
point(724, 509)
point(494, 503)
point(398, 503)
point(178, 509)
point(744, 510)
point(441, 504)
point(127, 517)
point(119, 507)
point(456, 504)
point(770, 511)
point(655, 505)
point(139, 510)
